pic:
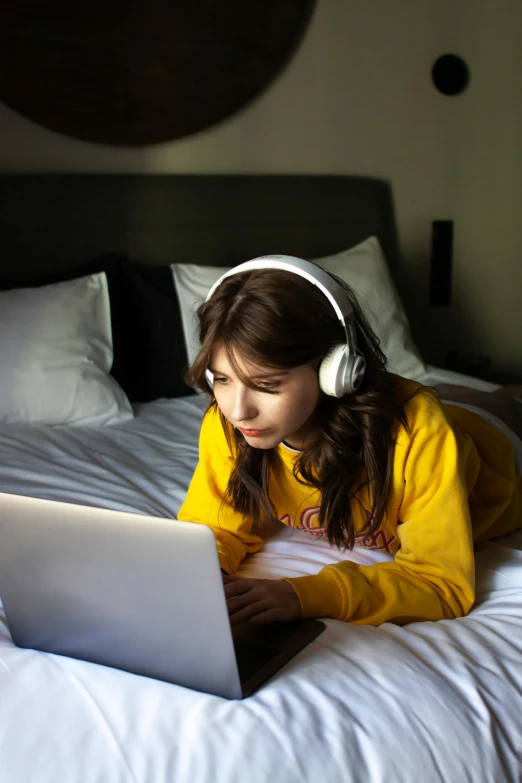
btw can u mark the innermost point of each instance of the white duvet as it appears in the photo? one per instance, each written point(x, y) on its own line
point(424, 703)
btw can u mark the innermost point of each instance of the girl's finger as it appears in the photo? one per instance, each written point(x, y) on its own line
point(269, 616)
point(247, 613)
point(227, 578)
point(237, 602)
point(238, 587)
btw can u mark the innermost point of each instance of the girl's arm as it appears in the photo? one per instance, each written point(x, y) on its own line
point(203, 502)
point(432, 576)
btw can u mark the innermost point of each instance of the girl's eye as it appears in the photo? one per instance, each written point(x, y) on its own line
point(261, 386)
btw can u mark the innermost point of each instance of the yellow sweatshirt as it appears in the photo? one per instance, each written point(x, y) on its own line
point(454, 483)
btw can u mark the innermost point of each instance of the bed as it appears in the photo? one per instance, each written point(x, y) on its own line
point(99, 279)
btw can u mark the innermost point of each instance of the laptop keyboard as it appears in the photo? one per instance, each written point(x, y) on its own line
point(252, 657)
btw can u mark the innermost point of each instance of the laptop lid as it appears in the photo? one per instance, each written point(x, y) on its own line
point(135, 592)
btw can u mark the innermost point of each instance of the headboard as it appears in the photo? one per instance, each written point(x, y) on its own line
point(51, 223)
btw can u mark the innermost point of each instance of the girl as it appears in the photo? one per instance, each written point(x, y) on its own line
point(375, 460)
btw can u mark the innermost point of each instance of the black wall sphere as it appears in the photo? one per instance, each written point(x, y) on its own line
point(132, 73)
point(450, 74)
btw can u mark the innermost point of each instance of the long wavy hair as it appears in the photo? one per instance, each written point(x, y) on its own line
point(278, 320)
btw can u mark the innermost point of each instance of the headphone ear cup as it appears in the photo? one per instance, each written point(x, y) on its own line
point(210, 378)
point(358, 370)
point(332, 371)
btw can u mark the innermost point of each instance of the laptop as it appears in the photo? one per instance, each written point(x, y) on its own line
point(134, 592)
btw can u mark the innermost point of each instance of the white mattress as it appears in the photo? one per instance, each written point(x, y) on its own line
point(424, 703)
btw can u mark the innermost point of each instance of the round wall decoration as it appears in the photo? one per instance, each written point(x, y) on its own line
point(131, 73)
point(450, 74)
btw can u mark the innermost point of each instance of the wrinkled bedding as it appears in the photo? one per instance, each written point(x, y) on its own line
point(430, 702)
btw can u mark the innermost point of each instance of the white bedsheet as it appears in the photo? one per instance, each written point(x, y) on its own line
point(430, 702)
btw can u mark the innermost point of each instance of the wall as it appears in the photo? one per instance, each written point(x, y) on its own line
point(357, 98)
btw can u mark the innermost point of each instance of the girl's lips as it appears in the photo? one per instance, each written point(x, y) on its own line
point(253, 433)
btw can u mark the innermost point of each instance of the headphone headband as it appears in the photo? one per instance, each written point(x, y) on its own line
point(311, 272)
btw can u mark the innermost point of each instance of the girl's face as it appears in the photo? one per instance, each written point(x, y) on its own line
point(266, 419)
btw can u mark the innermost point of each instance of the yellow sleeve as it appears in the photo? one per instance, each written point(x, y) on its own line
point(203, 502)
point(433, 574)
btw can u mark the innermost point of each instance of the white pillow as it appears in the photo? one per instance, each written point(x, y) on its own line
point(363, 267)
point(56, 353)
point(192, 283)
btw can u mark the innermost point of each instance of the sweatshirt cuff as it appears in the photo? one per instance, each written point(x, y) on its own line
point(320, 595)
point(225, 562)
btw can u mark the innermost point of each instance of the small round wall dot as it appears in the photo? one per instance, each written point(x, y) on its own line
point(450, 74)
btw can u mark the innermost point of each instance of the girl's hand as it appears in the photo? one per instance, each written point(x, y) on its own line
point(260, 600)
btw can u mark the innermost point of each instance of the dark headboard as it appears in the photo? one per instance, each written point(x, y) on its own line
point(55, 222)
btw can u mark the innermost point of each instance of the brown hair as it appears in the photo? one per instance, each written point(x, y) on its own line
point(279, 320)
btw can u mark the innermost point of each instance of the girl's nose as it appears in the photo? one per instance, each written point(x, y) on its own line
point(244, 406)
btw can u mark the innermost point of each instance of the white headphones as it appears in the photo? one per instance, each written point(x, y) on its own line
point(342, 369)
